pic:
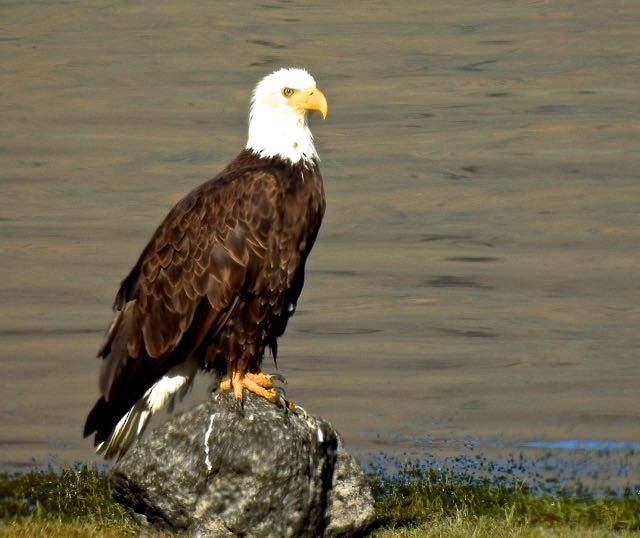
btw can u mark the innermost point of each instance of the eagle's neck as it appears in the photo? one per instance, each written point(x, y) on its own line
point(278, 132)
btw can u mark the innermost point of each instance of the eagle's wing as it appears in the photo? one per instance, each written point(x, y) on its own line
point(208, 253)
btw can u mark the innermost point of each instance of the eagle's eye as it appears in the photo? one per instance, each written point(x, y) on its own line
point(288, 92)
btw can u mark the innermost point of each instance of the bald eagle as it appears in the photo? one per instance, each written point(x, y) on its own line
point(216, 284)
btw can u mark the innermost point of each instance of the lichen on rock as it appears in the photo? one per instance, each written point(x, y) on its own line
point(217, 471)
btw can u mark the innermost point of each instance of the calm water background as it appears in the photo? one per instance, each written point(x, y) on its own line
point(476, 277)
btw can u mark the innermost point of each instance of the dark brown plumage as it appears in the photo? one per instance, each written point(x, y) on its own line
point(218, 281)
point(220, 277)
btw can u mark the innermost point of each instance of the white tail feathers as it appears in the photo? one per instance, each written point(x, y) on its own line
point(176, 382)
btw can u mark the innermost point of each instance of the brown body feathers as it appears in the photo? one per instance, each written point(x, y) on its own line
point(216, 283)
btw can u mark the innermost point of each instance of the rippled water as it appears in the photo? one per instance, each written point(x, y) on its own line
point(477, 271)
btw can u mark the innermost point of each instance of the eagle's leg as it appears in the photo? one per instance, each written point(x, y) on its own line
point(263, 380)
point(260, 384)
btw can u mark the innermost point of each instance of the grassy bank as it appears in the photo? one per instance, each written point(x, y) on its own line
point(72, 502)
point(421, 502)
point(414, 503)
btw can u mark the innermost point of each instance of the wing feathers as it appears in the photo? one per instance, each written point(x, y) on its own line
point(215, 256)
point(175, 382)
point(209, 245)
point(165, 255)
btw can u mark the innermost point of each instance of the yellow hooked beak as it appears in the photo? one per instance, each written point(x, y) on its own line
point(311, 99)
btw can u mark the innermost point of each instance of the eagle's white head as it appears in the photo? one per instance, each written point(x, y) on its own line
point(278, 123)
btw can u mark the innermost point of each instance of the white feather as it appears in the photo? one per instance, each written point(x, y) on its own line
point(276, 128)
point(176, 382)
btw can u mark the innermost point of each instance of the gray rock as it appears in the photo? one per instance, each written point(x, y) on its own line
point(216, 471)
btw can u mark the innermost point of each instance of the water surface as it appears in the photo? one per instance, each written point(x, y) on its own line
point(477, 271)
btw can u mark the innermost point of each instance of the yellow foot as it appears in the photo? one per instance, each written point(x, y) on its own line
point(262, 385)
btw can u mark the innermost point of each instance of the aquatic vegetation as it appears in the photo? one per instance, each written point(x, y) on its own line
point(604, 469)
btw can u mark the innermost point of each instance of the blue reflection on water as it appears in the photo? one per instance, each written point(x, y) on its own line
point(584, 444)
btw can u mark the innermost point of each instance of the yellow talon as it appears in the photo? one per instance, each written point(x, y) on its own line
point(260, 384)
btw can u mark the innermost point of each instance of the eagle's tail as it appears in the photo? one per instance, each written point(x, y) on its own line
point(115, 431)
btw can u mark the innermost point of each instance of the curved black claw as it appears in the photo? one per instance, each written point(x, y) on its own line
point(238, 404)
point(281, 402)
point(297, 409)
point(292, 407)
point(281, 392)
point(278, 377)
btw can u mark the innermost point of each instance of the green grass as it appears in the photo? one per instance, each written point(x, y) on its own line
point(486, 527)
point(416, 502)
point(427, 502)
point(72, 502)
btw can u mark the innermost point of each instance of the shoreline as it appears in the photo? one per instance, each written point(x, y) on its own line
point(415, 501)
